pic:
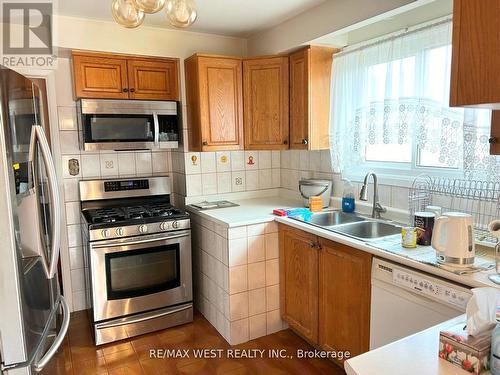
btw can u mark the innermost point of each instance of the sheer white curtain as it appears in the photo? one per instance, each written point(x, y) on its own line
point(390, 105)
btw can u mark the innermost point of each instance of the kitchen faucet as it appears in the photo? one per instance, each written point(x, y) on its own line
point(363, 195)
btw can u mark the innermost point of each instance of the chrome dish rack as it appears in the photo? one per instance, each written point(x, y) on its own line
point(481, 199)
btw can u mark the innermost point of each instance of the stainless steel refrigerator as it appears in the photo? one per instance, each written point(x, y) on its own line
point(34, 316)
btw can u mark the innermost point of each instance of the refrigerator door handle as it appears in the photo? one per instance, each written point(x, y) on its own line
point(42, 362)
point(39, 364)
point(38, 135)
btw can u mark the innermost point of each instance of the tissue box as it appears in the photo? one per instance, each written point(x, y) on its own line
point(471, 353)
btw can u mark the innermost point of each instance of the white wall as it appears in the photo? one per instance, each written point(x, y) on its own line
point(330, 16)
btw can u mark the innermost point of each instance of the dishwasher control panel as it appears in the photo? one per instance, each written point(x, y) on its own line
point(432, 288)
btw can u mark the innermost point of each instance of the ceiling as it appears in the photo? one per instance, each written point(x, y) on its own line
point(240, 18)
point(415, 13)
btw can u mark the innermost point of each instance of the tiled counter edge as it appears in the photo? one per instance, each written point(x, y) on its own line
point(236, 277)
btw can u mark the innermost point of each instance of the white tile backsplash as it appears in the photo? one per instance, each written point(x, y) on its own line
point(265, 179)
point(209, 183)
point(252, 180)
point(68, 141)
point(160, 162)
point(143, 164)
point(223, 161)
point(71, 191)
point(67, 118)
point(276, 159)
point(224, 183)
point(251, 160)
point(208, 164)
point(126, 163)
point(90, 165)
point(265, 160)
point(238, 181)
point(192, 162)
point(109, 165)
point(237, 160)
point(72, 212)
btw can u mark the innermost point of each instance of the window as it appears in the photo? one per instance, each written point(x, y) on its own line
point(390, 111)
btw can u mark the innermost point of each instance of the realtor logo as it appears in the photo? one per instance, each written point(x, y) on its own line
point(27, 37)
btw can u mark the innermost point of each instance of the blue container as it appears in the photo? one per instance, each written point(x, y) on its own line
point(348, 204)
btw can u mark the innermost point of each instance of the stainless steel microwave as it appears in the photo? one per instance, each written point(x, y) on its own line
point(128, 124)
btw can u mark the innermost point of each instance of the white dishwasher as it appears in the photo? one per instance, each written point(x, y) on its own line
point(405, 301)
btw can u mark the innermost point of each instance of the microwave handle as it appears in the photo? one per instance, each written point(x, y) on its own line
point(38, 134)
point(156, 125)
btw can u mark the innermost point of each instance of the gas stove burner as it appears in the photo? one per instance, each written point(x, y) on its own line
point(106, 215)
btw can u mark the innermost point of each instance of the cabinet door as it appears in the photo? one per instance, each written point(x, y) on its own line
point(299, 281)
point(265, 100)
point(153, 79)
point(100, 76)
point(344, 298)
point(299, 99)
point(221, 103)
point(476, 54)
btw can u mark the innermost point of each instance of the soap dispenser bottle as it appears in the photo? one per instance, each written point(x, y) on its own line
point(348, 202)
point(495, 351)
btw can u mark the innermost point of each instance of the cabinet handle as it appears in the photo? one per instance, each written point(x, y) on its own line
point(493, 140)
point(125, 89)
point(305, 141)
point(285, 142)
point(132, 90)
point(204, 143)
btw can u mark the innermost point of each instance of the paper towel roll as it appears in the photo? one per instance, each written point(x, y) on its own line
point(494, 228)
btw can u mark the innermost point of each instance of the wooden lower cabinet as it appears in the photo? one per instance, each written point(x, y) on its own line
point(325, 291)
point(299, 281)
point(344, 298)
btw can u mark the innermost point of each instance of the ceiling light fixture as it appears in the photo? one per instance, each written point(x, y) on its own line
point(131, 13)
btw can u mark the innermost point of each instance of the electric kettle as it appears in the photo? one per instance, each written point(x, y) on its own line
point(453, 239)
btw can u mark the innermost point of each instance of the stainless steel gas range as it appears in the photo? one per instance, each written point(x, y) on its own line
point(137, 257)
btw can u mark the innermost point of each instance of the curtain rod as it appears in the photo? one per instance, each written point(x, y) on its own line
point(388, 37)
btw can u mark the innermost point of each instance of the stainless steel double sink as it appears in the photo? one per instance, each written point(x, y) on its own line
point(352, 225)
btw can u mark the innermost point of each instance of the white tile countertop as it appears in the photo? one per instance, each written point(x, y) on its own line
point(249, 211)
point(478, 279)
point(259, 210)
point(413, 355)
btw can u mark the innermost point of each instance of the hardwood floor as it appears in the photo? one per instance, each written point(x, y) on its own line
point(80, 356)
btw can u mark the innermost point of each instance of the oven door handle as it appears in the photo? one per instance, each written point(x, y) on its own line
point(138, 242)
point(143, 317)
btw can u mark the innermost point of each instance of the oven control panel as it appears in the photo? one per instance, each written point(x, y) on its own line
point(123, 185)
point(431, 288)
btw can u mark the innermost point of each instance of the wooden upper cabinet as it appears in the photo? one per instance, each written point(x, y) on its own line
point(299, 281)
point(214, 103)
point(114, 76)
point(475, 78)
point(265, 100)
point(310, 77)
point(100, 76)
point(344, 298)
point(153, 79)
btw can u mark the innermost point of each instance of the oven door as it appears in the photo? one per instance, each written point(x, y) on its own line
point(139, 274)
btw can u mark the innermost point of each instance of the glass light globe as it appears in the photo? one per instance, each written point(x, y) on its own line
point(180, 13)
point(149, 6)
point(126, 14)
